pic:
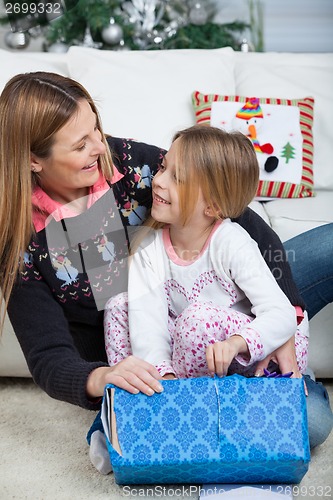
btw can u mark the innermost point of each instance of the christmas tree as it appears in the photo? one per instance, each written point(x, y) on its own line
point(288, 152)
point(134, 25)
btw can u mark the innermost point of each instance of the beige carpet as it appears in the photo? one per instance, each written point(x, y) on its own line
point(44, 454)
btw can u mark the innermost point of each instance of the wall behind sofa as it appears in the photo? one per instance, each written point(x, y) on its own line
point(290, 25)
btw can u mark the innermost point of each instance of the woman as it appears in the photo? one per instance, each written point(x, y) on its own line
point(69, 198)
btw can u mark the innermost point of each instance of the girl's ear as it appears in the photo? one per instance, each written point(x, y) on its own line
point(212, 212)
point(209, 212)
point(35, 165)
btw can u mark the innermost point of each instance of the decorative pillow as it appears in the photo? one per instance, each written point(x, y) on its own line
point(281, 133)
point(294, 75)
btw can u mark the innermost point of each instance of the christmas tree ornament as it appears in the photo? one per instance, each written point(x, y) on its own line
point(36, 31)
point(246, 46)
point(88, 40)
point(121, 46)
point(145, 16)
point(17, 40)
point(198, 14)
point(57, 47)
point(113, 33)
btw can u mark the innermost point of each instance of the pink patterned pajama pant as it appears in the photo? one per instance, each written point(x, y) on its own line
point(197, 326)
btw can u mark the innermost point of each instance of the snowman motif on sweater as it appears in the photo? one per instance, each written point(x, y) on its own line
point(65, 270)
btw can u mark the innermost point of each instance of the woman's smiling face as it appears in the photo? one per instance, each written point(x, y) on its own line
point(73, 164)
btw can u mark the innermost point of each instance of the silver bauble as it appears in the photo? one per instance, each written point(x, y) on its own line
point(58, 48)
point(112, 34)
point(17, 40)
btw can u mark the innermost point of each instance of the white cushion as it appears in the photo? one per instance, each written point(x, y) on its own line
point(292, 75)
point(260, 210)
point(12, 63)
point(146, 95)
point(290, 217)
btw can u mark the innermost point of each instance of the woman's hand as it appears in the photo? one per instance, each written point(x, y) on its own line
point(220, 354)
point(132, 374)
point(285, 357)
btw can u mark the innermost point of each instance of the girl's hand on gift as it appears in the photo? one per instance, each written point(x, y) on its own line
point(132, 374)
point(220, 354)
point(169, 376)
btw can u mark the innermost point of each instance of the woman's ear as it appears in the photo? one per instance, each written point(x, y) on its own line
point(35, 165)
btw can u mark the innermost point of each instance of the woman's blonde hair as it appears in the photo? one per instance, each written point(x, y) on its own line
point(33, 108)
point(222, 164)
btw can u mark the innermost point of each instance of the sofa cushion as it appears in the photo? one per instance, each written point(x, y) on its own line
point(259, 208)
point(291, 217)
point(146, 95)
point(281, 132)
point(12, 64)
point(293, 76)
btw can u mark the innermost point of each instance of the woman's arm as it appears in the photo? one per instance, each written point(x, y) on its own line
point(274, 318)
point(47, 344)
point(57, 361)
point(273, 252)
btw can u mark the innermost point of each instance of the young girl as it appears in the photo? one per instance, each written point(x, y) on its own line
point(201, 299)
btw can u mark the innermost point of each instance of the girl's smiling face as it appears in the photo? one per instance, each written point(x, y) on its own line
point(166, 207)
point(73, 166)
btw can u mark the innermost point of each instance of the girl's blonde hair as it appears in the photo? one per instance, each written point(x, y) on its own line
point(33, 108)
point(222, 164)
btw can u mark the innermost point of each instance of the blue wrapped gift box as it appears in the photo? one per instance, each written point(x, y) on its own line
point(209, 430)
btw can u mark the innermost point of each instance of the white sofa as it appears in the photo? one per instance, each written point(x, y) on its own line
point(147, 96)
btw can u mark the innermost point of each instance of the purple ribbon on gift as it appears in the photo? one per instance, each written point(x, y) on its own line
point(277, 375)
